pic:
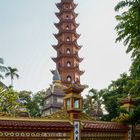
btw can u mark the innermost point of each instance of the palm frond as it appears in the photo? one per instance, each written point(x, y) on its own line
point(17, 76)
point(7, 74)
point(122, 4)
point(3, 68)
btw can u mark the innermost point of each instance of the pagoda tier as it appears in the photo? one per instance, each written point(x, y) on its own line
point(67, 60)
point(57, 59)
point(56, 47)
point(73, 69)
point(63, 22)
point(65, 31)
point(67, 12)
point(66, 3)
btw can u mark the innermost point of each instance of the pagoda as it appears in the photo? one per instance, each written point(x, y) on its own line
point(67, 60)
point(53, 100)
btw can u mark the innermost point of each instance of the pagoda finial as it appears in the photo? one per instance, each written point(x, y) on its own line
point(56, 75)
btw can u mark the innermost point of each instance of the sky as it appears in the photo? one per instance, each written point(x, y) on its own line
point(26, 39)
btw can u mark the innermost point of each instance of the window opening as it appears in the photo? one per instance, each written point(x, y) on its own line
point(68, 51)
point(67, 27)
point(76, 103)
point(68, 39)
point(69, 79)
point(68, 64)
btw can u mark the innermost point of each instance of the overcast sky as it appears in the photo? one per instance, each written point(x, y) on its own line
point(26, 36)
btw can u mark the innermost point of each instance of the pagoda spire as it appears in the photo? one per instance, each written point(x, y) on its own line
point(67, 59)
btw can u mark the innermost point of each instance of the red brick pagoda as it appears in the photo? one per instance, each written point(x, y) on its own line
point(67, 60)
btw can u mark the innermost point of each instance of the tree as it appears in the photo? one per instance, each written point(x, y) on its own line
point(117, 90)
point(93, 103)
point(37, 104)
point(128, 31)
point(130, 118)
point(33, 102)
point(12, 73)
point(9, 101)
point(128, 28)
point(2, 68)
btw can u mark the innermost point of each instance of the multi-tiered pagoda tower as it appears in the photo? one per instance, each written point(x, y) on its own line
point(67, 60)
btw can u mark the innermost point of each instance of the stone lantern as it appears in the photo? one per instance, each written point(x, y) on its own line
point(73, 101)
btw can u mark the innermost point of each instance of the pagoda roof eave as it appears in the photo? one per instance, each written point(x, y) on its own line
point(59, 5)
point(82, 72)
point(55, 47)
point(65, 31)
point(78, 88)
point(67, 43)
point(58, 14)
point(55, 59)
point(63, 21)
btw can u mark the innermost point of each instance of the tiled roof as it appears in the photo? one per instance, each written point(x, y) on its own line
point(63, 115)
point(84, 116)
point(55, 105)
point(57, 90)
point(34, 124)
point(78, 88)
point(99, 126)
point(59, 115)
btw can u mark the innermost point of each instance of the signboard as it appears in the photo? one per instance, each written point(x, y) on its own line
point(76, 130)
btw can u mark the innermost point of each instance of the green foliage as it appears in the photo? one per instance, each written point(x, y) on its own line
point(33, 102)
point(25, 98)
point(9, 101)
point(128, 31)
point(128, 28)
point(134, 117)
point(116, 91)
point(37, 104)
point(129, 118)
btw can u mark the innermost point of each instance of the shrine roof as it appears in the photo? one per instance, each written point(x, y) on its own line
point(61, 120)
point(34, 123)
point(63, 115)
point(99, 126)
point(75, 87)
point(55, 89)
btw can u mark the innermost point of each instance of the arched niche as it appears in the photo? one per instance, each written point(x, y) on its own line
point(67, 27)
point(69, 79)
point(68, 51)
point(67, 38)
point(68, 63)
